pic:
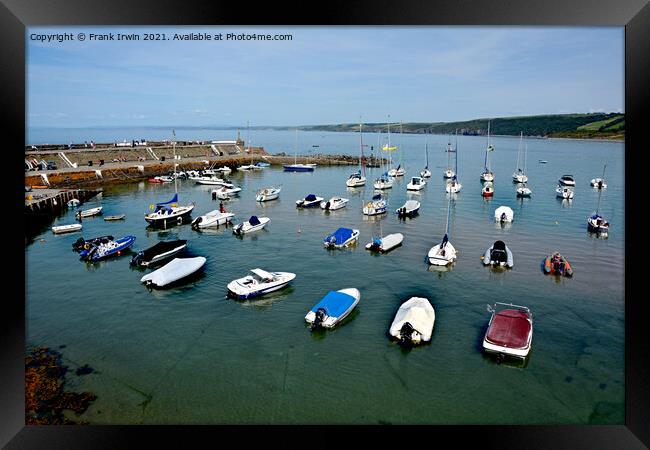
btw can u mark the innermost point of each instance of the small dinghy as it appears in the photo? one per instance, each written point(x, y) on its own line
point(341, 238)
point(89, 212)
point(413, 323)
point(488, 189)
point(117, 217)
point(60, 229)
point(524, 191)
point(85, 244)
point(334, 203)
point(74, 203)
point(162, 251)
point(175, 270)
point(253, 224)
point(333, 308)
point(498, 255)
point(567, 180)
point(266, 194)
point(503, 214)
point(408, 209)
point(309, 201)
point(564, 192)
point(212, 219)
point(416, 184)
point(107, 249)
point(386, 243)
point(509, 332)
point(557, 264)
point(376, 206)
point(259, 282)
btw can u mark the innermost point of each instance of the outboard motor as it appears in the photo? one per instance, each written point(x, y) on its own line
point(406, 333)
point(79, 243)
point(327, 205)
point(498, 254)
point(321, 315)
point(137, 258)
point(503, 217)
point(196, 222)
point(237, 228)
point(214, 195)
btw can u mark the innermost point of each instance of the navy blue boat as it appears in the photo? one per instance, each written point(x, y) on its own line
point(108, 249)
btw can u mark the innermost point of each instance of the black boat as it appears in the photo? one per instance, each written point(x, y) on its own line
point(162, 251)
point(85, 244)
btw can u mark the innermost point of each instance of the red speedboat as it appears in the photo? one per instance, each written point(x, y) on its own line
point(510, 331)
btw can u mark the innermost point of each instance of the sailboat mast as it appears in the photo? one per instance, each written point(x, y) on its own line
point(456, 151)
point(390, 154)
point(249, 141)
point(600, 191)
point(174, 147)
point(295, 149)
point(447, 226)
point(521, 139)
point(363, 168)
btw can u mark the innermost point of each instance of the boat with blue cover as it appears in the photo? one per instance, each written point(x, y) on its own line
point(333, 308)
point(341, 238)
point(253, 224)
point(309, 201)
point(107, 249)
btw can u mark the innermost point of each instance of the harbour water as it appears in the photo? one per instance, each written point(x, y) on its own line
point(190, 355)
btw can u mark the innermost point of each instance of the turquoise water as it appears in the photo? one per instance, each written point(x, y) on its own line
point(190, 355)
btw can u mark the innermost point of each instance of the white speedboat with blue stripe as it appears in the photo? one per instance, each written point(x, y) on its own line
point(333, 308)
point(259, 282)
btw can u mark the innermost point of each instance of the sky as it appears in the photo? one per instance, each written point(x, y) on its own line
point(323, 75)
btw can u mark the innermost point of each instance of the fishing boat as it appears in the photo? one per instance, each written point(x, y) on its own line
point(175, 270)
point(416, 184)
point(567, 180)
point(444, 253)
point(413, 322)
point(214, 218)
point(557, 264)
point(385, 243)
point(333, 308)
point(487, 174)
point(358, 178)
point(599, 183)
point(596, 223)
point(449, 172)
point(509, 332)
point(259, 282)
point(309, 201)
point(488, 189)
point(60, 229)
point(341, 238)
point(267, 194)
point(107, 249)
point(253, 224)
point(453, 185)
point(158, 253)
point(519, 175)
point(426, 173)
point(503, 214)
point(116, 217)
point(164, 215)
point(498, 255)
point(334, 203)
point(73, 203)
point(295, 167)
point(524, 191)
point(89, 212)
point(409, 209)
point(564, 192)
point(376, 206)
point(85, 244)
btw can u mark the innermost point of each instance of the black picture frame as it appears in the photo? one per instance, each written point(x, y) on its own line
point(634, 15)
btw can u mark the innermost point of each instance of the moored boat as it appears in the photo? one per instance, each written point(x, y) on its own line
point(85, 244)
point(89, 212)
point(251, 225)
point(509, 332)
point(504, 214)
point(376, 206)
point(413, 322)
point(524, 191)
point(159, 252)
point(267, 194)
point(107, 249)
point(168, 215)
point(333, 308)
point(309, 201)
point(567, 180)
point(115, 217)
point(342, 237)
point(409, 209)
point(488, 189)
point(385, 243)
point(214, 218)
point(173, 271)
point(416, 184)
point(334, 203)
point(564, 192)
point(498, 254)
point(259, 282)
point(557, 264)
point(60, 229)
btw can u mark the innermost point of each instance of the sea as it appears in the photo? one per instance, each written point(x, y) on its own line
point(192, 355)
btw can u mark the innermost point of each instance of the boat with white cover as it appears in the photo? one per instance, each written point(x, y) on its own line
point(89, 212)
point(175, 270)
point(159, 252)
point(376, 206)
point(498, 255)
point(564, 192)
point(509, 332)
point(385, 243)
point(214, 218)
point(416, 184)
point(599, 183)
point(309, 201)
point(503, 214)
point(333, 308)
point(267, 194)
point(259, 282)
point(252, 224)
point(413, 323)
point(60, 229)
point(334, 203)
point(342, 237)
point(409, 209)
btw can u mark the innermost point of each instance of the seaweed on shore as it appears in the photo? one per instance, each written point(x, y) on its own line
point(45, 398)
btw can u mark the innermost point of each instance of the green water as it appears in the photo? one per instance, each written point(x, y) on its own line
point(190, 355)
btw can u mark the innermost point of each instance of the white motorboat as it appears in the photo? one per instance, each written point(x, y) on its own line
point(266, 194)
point(503, 214)
point(259, 282)
point(212, 180)
point(416, 184)
point(225, 170)
point(164, 178)
point(567, 180)
point(334, 203)
point(342, 237)
point(333, 308)
point(173, 271)
point(89, 212)
point(519, 175)
point(564, 192)
point(60, 229)
point(509, 332)
point(524, 191)
point(599, 183)
point(212, 219)
point(409, 209)
point(487, 174)
point(309, 201)
point(385, 243)
point(252, 224)
point(376, 206)
point(498, 255)
point(413, 323)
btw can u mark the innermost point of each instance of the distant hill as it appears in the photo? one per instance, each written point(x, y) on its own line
point(592, 125)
